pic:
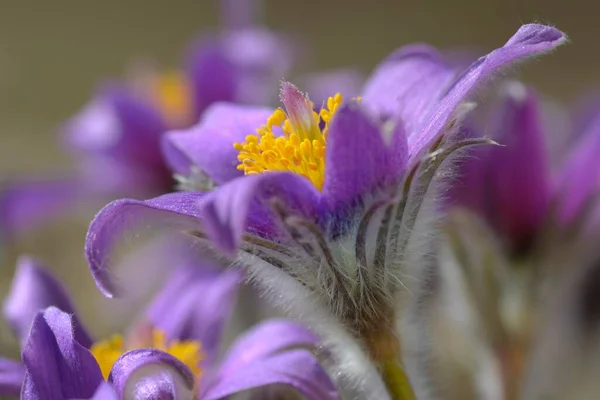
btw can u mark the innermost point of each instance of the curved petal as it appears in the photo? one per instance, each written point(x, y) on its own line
point(358, 158)
point(296, 368)
point(34, 289)
point(110, 227)
point(195, 304)
point(150, 374)
point(56, 365)
point(528, 41)
point(275, 352)
point(12, 374)
point(238, 206)
point(209, 144)
point(25, 204)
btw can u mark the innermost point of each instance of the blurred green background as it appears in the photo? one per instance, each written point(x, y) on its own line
point(52, 55)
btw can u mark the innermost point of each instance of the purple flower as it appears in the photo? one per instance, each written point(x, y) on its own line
point(116, 138)
point(336, 207)
point(516, 188)
point(173, 351)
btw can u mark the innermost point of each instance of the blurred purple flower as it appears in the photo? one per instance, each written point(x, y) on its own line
point(514, 186)
point(173, 351)
point(115, 139)
point(332, 226)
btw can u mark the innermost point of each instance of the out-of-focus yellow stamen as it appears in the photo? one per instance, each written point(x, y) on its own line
point(174, 97)
point(301, 146)
point(189, 352)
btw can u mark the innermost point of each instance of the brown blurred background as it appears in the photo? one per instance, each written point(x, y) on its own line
point(52, 54)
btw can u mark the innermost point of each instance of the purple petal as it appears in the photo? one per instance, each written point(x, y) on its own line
point(528, 41)
point(150, 374)
point(509, 184)
point(110, 227)
point(298, 369)
point(213, 76)
point(118, 124)
point(57, 366)
point(231, 209)
point(34, 289)
point(273, 352)
point(261, 58)
point(209, 144)
point(579, 178)
point(28, 203)
point(195, 304)
point(358, 159)
point(321, 86)
point(407, 84)
point(519, 171)
point(12, 374)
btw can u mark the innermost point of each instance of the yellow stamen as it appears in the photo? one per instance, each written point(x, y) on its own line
point(301, 148)
point(174, 98)
point(189, 352)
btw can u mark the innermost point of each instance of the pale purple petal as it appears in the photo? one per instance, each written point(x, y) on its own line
point(34, 289)
point(261, 58)
point(407, 84)
point(57, 366)
point(298, 369)
point(105, 392)
point(26, 204)
point(240, 205)
point(12, 374)
point(530, 40)
point(195, 304)
point(150, 374)
point(320, 86)
point(273, 352)
point(358, 157)
point(112, 225)
point(209, 144)
point(119, 124)
point(580, 177)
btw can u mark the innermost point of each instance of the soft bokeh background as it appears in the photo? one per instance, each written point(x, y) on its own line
point(52, 55)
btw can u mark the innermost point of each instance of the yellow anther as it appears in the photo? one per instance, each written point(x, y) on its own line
point(189, 352)
point(302, 147)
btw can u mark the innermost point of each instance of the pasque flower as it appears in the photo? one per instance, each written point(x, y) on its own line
point(523, 250)
point(516, 188)
point(172, 351)
point(115, 139)
point(336, 208)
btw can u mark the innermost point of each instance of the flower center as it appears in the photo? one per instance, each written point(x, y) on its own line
point(292, 140)
point(189, 352)
point(174, 98)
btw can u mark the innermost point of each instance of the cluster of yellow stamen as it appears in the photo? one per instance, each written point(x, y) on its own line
point(189, 352)
point(174, 97)
point(291, 140)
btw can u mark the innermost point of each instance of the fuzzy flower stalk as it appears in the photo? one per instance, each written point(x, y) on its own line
point(333, 213)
